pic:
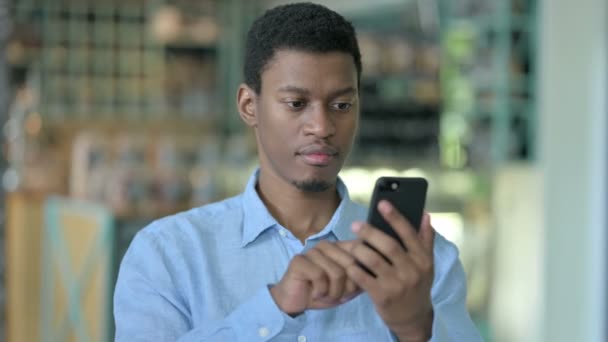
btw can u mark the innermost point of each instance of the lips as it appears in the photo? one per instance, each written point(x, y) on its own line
point(318, 155)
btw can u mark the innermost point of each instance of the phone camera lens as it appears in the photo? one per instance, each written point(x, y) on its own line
point(394, 186)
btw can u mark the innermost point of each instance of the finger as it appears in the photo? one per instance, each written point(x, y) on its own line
point(362, 279)
point(401, 225)
point(334, 273)
point(351, 290)
point(371, 259)
point(346, 245)
point(381, 242)
point(307, 270)
point(427, 233)
point(425, 262)
point(338, 252)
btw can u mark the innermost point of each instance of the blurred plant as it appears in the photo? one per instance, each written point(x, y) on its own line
point(458, 94)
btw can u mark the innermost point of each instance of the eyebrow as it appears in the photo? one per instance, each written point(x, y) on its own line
point(303, 91)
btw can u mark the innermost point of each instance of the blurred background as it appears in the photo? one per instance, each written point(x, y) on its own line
point(115, 113)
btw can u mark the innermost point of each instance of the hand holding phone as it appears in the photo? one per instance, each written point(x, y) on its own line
point(407, 195)
point(404, 305)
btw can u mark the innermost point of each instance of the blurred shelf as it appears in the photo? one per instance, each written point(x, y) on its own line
point(149, 125)
point(191, 48)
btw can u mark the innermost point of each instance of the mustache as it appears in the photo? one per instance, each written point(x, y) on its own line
point(319, 149)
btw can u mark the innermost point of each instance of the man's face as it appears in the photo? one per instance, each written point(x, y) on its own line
point(306, 117)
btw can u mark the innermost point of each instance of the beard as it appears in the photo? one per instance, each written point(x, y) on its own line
point(312, 185)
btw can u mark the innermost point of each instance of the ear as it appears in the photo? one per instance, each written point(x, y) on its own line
point(246, 103)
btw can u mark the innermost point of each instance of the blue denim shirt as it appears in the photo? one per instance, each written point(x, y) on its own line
point(204, 275)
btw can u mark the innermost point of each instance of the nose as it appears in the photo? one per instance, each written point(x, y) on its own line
point(320, 123)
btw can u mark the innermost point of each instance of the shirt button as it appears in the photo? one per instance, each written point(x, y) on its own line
point(263, 332)
point(283, 233)
point(301, 338)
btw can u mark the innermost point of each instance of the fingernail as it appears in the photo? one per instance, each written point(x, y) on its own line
point(385, 207)
point(356, 227)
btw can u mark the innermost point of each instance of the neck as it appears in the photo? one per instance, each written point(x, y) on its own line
point(301, 212)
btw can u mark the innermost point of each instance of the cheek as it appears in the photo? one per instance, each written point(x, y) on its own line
point(280, 124)
point(276, 131)
point(349, 126)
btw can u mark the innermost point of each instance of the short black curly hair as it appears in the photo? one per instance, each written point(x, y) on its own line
point(301, 26)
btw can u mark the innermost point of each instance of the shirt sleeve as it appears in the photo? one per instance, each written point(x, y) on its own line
point(149, 307)
point(452, 321)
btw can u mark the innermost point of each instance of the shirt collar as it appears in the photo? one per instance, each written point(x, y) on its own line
point(257, 218)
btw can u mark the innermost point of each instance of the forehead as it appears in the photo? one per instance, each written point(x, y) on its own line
point(324, 71)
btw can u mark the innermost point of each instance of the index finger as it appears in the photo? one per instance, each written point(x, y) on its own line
point(339, 251)
point(346, 245)
point(401, 225)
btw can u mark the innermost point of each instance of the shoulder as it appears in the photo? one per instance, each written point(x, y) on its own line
point(446, 257)
point(450, 279)
point(203, 218)
point(444, 249)
point(178, 232)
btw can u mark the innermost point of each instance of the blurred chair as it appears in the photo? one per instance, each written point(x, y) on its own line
point(77, 271)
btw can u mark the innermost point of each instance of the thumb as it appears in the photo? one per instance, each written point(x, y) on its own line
point(427, 232)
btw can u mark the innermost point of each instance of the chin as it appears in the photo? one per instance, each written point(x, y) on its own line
point(313, 185)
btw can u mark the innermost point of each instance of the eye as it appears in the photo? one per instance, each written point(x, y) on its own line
point(296, 104)
point(342, 106)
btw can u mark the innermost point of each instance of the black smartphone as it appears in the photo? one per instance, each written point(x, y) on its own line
point(406, 194)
